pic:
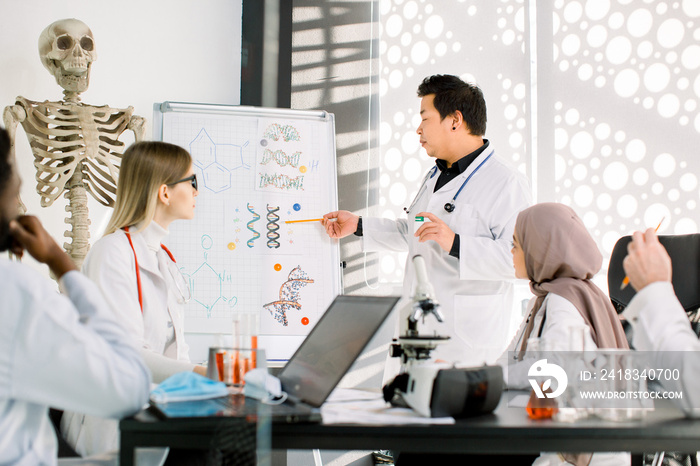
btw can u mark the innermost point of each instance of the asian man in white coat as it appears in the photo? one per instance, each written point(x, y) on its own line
point(61, 350)
point(658, 320)
point(471, 199)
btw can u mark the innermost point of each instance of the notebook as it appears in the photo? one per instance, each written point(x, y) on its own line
point(313, 371)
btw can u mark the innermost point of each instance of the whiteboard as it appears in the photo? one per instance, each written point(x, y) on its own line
point(256, 169)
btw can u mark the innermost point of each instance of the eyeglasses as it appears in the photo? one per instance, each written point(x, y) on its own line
point(192, 179)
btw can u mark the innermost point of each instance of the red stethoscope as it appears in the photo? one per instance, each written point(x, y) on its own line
point(136, 261)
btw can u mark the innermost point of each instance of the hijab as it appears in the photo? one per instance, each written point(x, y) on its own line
point(561, 257)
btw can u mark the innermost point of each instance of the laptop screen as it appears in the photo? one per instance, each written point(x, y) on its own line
point(332, 346)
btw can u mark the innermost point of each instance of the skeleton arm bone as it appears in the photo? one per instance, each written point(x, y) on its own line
point(11, 117)
point(137, 124)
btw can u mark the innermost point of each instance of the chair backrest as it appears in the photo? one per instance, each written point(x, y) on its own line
point(685, 257)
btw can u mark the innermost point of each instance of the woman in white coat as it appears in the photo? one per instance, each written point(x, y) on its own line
point(553, 249)
point(138, 276)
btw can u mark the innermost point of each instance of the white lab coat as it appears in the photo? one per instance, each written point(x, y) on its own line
point(560, 314)
point(661, 325)
point(475, 292)
point(110, 264)
point(65, 351)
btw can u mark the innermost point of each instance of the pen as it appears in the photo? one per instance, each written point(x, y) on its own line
point(307, 220)
point(626, 280)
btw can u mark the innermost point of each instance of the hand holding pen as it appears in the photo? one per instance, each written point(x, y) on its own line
point(626, 280)
point(647, 260)
point(340, 223)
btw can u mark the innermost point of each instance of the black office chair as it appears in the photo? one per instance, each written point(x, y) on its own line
point(684, 251)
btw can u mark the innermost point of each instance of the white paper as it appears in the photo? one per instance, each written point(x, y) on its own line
point(375, 412)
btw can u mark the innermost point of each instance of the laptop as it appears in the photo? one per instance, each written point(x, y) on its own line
point(315, 369)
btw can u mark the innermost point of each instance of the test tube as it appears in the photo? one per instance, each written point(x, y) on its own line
point(220, 364)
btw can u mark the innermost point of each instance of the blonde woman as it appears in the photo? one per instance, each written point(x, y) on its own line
point(138, 276)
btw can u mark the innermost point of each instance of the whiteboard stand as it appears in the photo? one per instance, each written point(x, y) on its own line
point(256, 169)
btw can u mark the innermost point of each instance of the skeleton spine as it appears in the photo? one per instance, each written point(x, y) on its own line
point(78, 219)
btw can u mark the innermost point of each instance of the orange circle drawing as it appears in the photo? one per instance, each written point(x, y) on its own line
point(305, 320)
point(278, 267)
point(232, 246)
point(302, 169)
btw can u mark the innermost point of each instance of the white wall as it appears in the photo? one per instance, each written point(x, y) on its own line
point(147, 51)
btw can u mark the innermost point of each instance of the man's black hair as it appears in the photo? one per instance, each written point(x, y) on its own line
point(452, 94)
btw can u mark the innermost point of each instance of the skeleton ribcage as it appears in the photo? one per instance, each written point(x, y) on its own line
point(65, 138)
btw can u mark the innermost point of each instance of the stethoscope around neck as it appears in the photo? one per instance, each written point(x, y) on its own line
point(450, 206)
point(180, 282)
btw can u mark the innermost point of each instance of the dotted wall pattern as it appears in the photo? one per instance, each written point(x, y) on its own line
point(617, 87)
point(626, 158)
point(420, 38)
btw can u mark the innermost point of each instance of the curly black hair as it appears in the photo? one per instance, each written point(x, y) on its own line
point(452, 94)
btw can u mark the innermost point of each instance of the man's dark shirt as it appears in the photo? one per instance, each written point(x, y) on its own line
point(457, 168)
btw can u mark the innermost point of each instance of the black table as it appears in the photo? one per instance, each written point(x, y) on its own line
point(507, 430)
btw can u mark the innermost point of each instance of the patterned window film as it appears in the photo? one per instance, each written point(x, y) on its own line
point(596, 102)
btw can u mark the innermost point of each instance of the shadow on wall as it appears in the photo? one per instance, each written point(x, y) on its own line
point(335, 68)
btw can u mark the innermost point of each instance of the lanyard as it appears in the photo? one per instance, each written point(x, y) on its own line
point(136, 261)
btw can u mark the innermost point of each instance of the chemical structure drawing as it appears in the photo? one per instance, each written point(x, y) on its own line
point(281, 181)
point(208, 285)
point(289, 295)
point(216, 161)
point(280, 158)
point(272, 227)
point(256, 235)
point(276, 131)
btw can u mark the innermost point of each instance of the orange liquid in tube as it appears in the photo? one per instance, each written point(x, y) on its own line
point(254, 346)
point(541, 408)
point(220, 364)
point(236, 369)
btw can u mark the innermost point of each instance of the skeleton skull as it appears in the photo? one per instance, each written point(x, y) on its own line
point(67, 50)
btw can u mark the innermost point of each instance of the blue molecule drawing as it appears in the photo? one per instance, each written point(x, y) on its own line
point(297, 207)
point(216, 161)
point(207, 284)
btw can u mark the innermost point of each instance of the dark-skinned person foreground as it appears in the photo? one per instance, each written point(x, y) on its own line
point(63, 350)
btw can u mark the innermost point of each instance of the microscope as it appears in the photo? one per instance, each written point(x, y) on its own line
point(412, 347)
point(430, 388)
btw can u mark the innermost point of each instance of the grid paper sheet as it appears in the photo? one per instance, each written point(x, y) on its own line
point(254, 173)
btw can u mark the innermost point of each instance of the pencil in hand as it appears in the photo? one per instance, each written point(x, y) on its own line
point(626, 280)
point(306, 220)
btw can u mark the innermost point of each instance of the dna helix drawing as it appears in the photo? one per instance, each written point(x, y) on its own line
point(281, 158)
point(272, 227)
point(256, 235)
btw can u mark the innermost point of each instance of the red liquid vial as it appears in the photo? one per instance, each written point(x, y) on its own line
point(541, 408)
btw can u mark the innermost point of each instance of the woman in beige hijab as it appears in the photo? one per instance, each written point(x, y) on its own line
point(553, 249)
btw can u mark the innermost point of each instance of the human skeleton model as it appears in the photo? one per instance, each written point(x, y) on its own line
point(75, 146)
